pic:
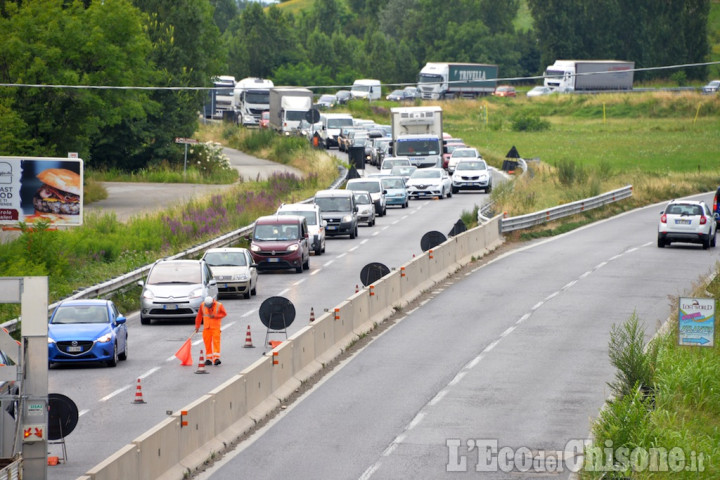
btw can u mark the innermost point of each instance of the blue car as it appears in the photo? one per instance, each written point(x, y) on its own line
point(395, 191)
point(87, 331)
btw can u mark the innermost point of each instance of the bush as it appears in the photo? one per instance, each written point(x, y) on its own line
point(525, 122)
point(635, 366)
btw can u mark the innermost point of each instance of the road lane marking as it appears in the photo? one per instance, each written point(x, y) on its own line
point(283, 292)
point(441, 394)
point(83, 412)
point(149, 372)
point(508, 331)
point(116, 392)
point(227, 325)
point(376, 234)
point(298, 282)
point(354, 248)
point(315, 271)
point(364, 241)
point(327, 264)
point(536, 306)
point(491, 346)
point(416, 421)
point(342, 255)
point(247, 314)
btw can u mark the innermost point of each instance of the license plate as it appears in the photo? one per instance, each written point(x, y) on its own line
point(225, 285)
point(273, 260)
point(332, 227)
point(170, 307)
point(683, 222)
point(74, 349)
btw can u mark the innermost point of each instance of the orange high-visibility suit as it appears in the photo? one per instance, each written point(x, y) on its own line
point(211, 318)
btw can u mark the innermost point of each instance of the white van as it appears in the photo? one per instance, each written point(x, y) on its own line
point(368, 89)
point(330, 125)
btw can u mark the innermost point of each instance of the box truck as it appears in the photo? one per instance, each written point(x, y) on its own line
point(252, 97)
point(288, 106)
point(584, 75)
point(417, 133)
point(450, 80)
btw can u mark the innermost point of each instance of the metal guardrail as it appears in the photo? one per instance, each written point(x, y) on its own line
point(127, 279)
point(538, 218)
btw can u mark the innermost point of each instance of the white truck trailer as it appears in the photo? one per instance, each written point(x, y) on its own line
point(438, 80)
point(221, 96)
point(417, 133)
point(288, 106)
point(585, 75)
point(252, 97)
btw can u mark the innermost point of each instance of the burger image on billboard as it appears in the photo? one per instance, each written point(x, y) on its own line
point(59, 194)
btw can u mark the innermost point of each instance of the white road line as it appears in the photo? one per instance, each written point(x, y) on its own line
point(569, 284)
point(551, 296)
point(83, 412)
point(376, 234)
point(315, 271)
point(369, 472)
point(116, 392)
point(149, 372)
point(425, 301)
point(395, 222)
point(600, 265)
point(385, 228)
point(247, 314)
point(404, 217)
point(416, 421)
point(283, 292)
point(412, 311)
point(342, 255)
point(522, 319)
point(354, 248)
point(327, 264)
point(457, 379)
point(227, 325)
point(364, 241)
point(298, 282)
point(491, 346)
point(441, 394)
point(508, 331)
point(536, 306)
point(615, 257)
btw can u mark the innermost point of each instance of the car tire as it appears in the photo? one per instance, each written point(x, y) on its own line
point(299, 269)
point(123, 356)
point(318, 251)
point(247, 294)
point(450, 194)
point(712, 241)
point(455, 190)
point(706, 243)
point(306, 265)
point(488, 189)
point(371, 223)
point(661, 243)
point(144, 320)
point(253, 291)
point(113, 361)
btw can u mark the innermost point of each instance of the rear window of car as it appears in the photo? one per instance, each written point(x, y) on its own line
point(372, 187)
point(225, 259)
point(684, 209)
point(308, 214)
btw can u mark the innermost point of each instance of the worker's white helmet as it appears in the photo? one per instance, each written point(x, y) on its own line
point(208, 301)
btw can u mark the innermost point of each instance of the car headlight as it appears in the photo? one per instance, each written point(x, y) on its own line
point(105, 338)
point(148, 294)
point(197, 293)
point(254, 248)
point(347, 218)
point(51, 341)
point(240, 277)
point(292, 248)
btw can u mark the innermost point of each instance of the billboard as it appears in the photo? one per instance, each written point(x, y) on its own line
point(41, 188)
point(696, 322)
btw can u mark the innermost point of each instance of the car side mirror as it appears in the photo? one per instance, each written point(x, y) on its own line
point(120, 320)
point(253, 265)
point(307, 235)
point(384, 192)
point(355, 209)
point(212, 282)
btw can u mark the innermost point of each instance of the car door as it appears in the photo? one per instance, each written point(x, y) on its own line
point(251, 268)
point(209, 281)
point(120, 328)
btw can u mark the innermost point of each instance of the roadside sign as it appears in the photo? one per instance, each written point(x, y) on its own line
point(41, 188)
point(191, 141)
point(73, 155)
point(696, 322)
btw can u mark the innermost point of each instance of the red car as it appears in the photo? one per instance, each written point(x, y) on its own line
point(265, 119)
point(505, 91)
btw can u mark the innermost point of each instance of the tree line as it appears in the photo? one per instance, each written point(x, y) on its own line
point(183, 43)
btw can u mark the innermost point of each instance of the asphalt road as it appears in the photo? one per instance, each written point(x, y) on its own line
point(512, 353)
point(109, 419)
point(127, 200)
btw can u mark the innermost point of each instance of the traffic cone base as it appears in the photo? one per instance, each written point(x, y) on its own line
point(138, 393)
point(201, 364)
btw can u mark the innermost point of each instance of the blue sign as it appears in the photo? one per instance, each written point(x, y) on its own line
point(696, 322)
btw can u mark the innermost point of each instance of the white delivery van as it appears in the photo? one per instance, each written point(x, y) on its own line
point(367, 89)
point(331, 123)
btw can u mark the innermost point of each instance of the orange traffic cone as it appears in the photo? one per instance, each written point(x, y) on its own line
point(185, 353)
point(312, 315)
point(138, 393)
point(248, 339)
point(201, 364)
point(357, 289)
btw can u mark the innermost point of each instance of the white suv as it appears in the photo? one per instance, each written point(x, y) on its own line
point(316, 225)
point(686, 221)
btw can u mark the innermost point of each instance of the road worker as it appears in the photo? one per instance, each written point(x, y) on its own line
point(210, 314)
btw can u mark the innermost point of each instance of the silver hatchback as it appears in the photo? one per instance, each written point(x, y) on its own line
point(174, 290)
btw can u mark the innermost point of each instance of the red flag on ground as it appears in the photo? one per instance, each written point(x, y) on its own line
point(185, 353)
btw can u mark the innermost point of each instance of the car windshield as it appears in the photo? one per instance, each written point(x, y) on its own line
point(479, 165)
point(464, 153)
point(80, 314)
point(372, 187)
point(277, 232)
point(333, 204)
point(308, 214)
point(225, 259)
point(425, 173)
point(175, 272)
point(416, 147)
point(362, 198)
point(339, 122)
point(393, 183)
